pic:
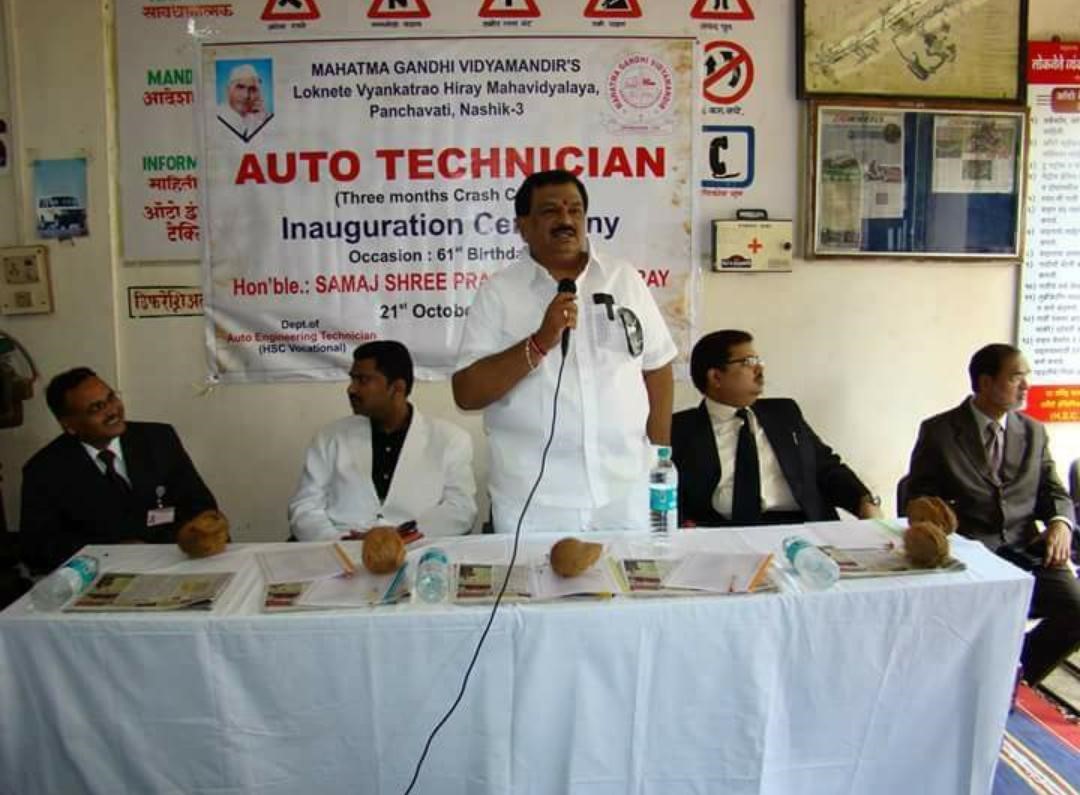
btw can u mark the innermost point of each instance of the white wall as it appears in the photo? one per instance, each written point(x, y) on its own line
point(868, 348)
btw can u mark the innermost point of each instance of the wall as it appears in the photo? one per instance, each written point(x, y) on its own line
point(868, 348)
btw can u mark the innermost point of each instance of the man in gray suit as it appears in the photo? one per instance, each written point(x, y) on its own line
point(993, 465)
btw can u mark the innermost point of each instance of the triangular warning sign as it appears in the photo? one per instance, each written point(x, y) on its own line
point(722, 9)
point(398, 9)
point(515, 9)
point(290, 10)
point(613, 9)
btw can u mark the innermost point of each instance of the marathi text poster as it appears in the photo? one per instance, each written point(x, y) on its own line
point(1049, 327)
point(364, 189)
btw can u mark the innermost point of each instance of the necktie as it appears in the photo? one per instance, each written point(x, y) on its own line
point(995, 448)
point(746, 497)
point(108, 458)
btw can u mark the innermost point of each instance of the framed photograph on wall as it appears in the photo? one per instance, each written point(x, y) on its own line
point(917, 180)
point(949, 49)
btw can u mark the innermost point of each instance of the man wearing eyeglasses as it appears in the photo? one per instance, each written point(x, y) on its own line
point(992, 463)
point(104, 480)
point(747, 460)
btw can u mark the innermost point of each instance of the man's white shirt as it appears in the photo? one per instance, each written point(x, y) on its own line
point(599, 451)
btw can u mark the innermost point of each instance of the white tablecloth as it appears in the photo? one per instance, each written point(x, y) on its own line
point(898, 685)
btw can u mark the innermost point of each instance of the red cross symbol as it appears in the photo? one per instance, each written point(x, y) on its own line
point(755, 245)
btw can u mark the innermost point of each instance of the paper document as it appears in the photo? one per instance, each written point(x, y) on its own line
point(303, 562)
point(719, 572)
point(362, 589)
point(152, 592)
point(596, 581)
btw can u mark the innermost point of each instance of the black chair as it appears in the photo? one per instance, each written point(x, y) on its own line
point(902, 496)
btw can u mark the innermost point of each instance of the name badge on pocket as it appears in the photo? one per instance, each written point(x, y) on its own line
point(156, 516)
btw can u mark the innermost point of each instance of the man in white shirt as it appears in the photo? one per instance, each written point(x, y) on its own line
point(616, 385)
point(245, 112)
point(744, 460)
point(388, 464)
point(993, 465)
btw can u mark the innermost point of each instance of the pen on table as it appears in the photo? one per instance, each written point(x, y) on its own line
point(388, 595)
point(346, 562)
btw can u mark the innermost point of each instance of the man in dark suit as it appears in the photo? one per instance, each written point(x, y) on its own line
point(747, 461)
point(104, 480)
point(993, 465)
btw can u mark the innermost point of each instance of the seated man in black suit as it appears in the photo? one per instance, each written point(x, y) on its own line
point(747, 461)
point(993, 465)
point(104, 480)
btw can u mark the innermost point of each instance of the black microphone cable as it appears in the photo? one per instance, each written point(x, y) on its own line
point(513, 556)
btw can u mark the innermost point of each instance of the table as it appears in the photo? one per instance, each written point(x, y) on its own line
point(896, 685)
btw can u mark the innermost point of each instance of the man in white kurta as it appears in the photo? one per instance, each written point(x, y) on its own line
point(616, 390)
point(386, 465)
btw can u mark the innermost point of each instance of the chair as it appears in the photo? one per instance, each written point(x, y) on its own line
point(902, 495)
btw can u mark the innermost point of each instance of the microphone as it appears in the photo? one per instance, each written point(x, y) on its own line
point(566, 286)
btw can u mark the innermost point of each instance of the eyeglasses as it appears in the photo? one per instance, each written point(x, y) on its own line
point(98, 406)
point(746, 361)
point(635, 337)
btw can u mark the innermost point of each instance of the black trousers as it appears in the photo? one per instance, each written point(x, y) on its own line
point(1056, 600)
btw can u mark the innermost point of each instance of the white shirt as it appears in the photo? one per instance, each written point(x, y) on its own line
point(599, 451)
point(245, 126)
point(775, 492)
point(118, 463)
point(432, 484)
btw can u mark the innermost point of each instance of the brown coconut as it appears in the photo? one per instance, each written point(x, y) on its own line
point(934, 510)
point(571, 557)
point(204, 535)
point(926, 544)
point(383, 550)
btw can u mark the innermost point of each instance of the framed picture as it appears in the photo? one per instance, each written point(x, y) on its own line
point(949, 49)
point(896, 179)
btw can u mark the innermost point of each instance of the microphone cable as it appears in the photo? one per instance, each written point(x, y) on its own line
point(505, 583)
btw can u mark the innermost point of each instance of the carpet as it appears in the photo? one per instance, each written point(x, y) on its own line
point(1040, 753)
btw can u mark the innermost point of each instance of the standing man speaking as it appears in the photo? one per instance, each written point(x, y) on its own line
point(616, 389)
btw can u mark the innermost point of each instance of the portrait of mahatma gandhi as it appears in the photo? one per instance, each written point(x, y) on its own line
point(245, 101)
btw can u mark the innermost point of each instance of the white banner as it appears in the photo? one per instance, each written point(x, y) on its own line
point(364, 189)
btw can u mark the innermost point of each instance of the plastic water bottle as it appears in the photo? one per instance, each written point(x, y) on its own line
point(74, 577)
point(663, 493)
point(433, 576)
point(816, 570)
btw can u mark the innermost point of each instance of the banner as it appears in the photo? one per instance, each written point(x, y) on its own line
point(363, 189)
point(1049, 323)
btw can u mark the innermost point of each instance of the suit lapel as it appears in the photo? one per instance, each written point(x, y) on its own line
point(969, 441)
point(411, 458)
point(136, 460)
point(1015, 447)
point(708, 459)
point(782, 440)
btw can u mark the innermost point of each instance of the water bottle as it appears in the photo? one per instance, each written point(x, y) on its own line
point(663, 493)
point(433, 576)
point(816, 570)
point(74, 577)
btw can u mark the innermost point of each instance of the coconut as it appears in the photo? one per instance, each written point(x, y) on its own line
point(383, 550)
point(926, 544)
point(934, 510)
point(204, 535)
point(571, 557)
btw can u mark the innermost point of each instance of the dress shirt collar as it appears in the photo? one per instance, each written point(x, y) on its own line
point(722, 412)
point(981, 419)
point(113, 445)
point(541, 275)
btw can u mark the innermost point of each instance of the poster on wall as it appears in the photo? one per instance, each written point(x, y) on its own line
point(364, 189)
point(1049, 323)
point(60, 198)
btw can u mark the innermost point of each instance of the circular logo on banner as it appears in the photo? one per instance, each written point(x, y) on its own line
point(639, 90)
